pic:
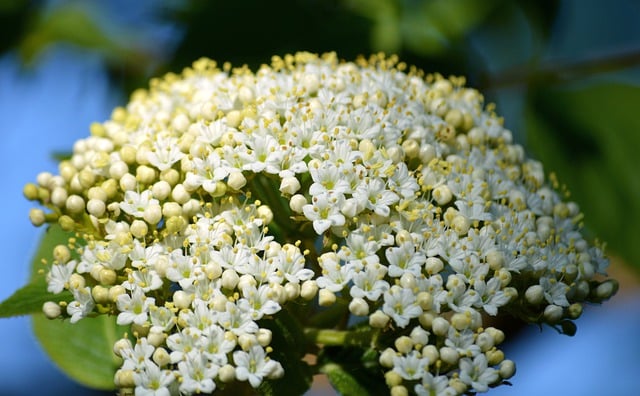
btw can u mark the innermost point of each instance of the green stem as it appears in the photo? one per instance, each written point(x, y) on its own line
point(362, 338)
point(327, 337)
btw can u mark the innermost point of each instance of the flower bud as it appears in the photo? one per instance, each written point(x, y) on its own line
point(431, 353)
point(434, 265)
point(96, 207)
point(227, 373)
point(182, 299)
point(386, 358)
point(507, 369)
point(378, 320)
point(403, 344)
point(326, 298)
point(115, 292)
point(156, 337)
point(139, 228)
point(494, 356)
point(61, 254)
point(289, 185)
point(534, 294)
point(440, 326)
point(399, 390)
point(236, 180)
point(75, 204)
point(552, 313)
point(37, 217)
point(51, 310)
point(124, 379)
point(419, 336)
point(392, 378)
point(100, 294)
point(449, 355)
point(297, 202)
point(442, 195)
point(161, 357)
point(309, 289)
point(230, 279)
point(246, 341)
point(291, 290)
point(264, 337)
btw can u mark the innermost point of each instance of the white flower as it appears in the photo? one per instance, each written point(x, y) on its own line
point(253, 366)
point(134, 308)
point(59, 275)
point(290, 263)
point(477, 374)
point(400, 305)
point(102, 254)
point(152, 381)
point(139, 356)
point(374, 195)
point(404, 258)
point(206, 172)
point(328, 177)
point(411, 366)
point(434, 386)
point(238, 318)
point(491, 295)
point(325, 211)
point(215, 346)
point(198, 374)
point(165, 153)
point(260, 301)
point(181, 343)
point(369, 282)
point(82, 304)
point(146, 280)
point(135, 203)
point(554, 291)
point(334, 276)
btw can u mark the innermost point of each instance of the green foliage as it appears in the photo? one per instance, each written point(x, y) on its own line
point(588, 135)
point(71, 23)
point(84, 350)
point(29, 300)
point(424, 27)
point(289, 347)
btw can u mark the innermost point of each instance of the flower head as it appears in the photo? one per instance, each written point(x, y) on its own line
point(221, 201)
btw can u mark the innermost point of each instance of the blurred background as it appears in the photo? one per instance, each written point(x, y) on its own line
point(565, 74)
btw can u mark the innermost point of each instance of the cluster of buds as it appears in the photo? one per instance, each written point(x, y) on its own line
point(219, 196)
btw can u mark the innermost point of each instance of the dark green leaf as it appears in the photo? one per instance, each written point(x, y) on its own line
point(29, 299)
point(289, 347)
point(342, 380)
point(589, 136)
point(83, 350)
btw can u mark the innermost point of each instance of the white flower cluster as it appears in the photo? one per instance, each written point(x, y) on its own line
point(219, 195)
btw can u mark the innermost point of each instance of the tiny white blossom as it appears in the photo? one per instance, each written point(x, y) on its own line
point(253, 366)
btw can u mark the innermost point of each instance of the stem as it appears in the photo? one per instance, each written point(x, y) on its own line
point(362, 337)
point(563, 71)
point(327, 337)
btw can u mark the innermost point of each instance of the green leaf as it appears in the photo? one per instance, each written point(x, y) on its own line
point(589, 136)
point(289, 347)
point(72, 23)
point(29, 300)
point(83, 350)
point(342, 381)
